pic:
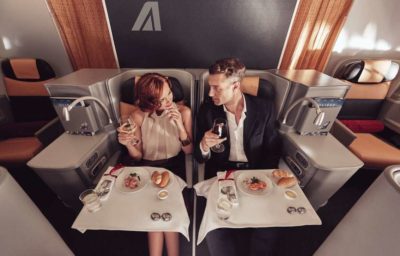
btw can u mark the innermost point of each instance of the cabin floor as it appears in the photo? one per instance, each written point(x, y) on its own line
point(297, 241)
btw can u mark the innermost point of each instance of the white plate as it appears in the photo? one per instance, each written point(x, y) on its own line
point(247, 175)
point(141, 172)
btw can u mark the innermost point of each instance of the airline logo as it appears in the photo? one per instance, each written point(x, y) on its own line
point(149, 18)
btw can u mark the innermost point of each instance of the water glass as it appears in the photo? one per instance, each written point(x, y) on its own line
point(91, 200)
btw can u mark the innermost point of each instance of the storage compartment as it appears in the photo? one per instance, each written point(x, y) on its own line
point(83, 117)
point(326, 91)
point(321, 163)
point(88, 117)
point(73, 163)
point(331, 108)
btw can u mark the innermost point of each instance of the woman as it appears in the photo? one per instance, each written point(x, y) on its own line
point(162, 130)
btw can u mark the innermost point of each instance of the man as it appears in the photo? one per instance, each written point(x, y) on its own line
point(253, 143)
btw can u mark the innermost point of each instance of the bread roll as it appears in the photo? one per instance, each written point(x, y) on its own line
point(279, 173)
point(165, 179)
point(287, 182)
point(156, 177)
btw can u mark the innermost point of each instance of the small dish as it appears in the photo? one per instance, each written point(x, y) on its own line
point(162, 194)
point(290, 194)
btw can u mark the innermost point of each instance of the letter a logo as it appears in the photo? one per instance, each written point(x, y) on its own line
point(149, 18)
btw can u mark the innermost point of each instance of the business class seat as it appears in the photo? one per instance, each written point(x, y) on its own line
point(31, 108)
point(121, 91)
point(370, 83)
point(24, 230)
point(257, 83)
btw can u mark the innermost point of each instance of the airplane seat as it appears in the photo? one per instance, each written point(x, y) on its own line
point(121, 91)
point(370, 83)
point(257, 83)
point(24, 230)
point(371, 226)
point(31, 109)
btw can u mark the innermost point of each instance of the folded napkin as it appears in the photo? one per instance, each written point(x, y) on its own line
point(227, 187)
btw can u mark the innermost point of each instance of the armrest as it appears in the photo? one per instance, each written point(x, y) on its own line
point(342, 133)
point(189, 169)
point(49, 132)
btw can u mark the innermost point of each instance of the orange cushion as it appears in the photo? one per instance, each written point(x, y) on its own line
point(25, 68)
point(22, 88)
point(368, 91)
point(374, 152)
point(19, 149)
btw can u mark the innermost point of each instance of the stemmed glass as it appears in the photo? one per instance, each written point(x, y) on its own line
point(129, 127)
point(220, 127)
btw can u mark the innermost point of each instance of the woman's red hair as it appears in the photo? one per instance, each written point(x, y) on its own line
point(148, 91)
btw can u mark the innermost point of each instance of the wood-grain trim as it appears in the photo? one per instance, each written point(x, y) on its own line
point(313, 33)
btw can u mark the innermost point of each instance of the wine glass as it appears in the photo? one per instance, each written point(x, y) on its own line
point(129, 127)
point(220, 127)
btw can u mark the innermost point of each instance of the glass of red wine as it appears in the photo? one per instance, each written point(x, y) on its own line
point(220, 127)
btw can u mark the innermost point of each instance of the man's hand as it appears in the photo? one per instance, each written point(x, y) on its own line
point(209, 140)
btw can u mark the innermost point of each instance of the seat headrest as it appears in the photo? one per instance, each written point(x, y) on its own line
point(29, 70)
point(257, 86)
point(128, 90)
point(368, 71)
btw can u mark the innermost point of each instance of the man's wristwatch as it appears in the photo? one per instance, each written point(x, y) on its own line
point(185, 142)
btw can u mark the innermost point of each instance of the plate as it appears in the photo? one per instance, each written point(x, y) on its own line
point(248, 175)
point(141, 172)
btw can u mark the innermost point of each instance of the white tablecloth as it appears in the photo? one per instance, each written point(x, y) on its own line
point(255, 211)
point(131, 211)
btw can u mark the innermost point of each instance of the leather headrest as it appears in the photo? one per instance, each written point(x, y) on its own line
point(257, 86)
point(368, 71)
point(29, 70)
point(128, 89)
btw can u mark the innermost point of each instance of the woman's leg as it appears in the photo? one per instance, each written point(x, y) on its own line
point(172, 242)
point(156, 241)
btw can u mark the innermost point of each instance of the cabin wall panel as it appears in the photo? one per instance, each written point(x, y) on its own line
point(27, 29)
point(193, 34)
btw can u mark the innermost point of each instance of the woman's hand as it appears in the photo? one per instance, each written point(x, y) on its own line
point(128, 139)
point(127, 127)
point(126, 134)
point(175, 114)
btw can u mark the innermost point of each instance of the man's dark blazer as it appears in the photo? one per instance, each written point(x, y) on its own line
point(262, 142)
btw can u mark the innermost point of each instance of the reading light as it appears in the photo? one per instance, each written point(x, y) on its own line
point(78, 100)
point(320, 114)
